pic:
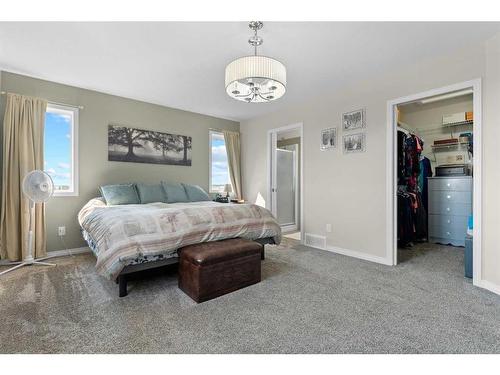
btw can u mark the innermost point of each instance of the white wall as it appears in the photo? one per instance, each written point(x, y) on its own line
point(491, 167)
point(349, 191)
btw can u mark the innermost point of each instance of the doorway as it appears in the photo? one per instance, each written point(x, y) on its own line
point(285, 179)
point(442, 128)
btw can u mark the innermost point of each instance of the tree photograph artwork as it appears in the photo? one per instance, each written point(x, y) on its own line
point(146, 146)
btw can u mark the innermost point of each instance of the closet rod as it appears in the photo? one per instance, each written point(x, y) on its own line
point(405, 127)
point(55, 103)
point(401, 126)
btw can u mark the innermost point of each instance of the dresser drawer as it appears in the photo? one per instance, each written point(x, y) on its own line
point(437, 207)
point(451, 232)
point(449, 222)
point(435, 232)
point(450, 184)
point(450, 196)
point(451, 227)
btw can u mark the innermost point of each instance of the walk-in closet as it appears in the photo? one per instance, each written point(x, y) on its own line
point(435, 178)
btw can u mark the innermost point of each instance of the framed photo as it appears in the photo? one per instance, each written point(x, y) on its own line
point(328, 139)
point(354, 120)
point(354, 143)
point(147, 146)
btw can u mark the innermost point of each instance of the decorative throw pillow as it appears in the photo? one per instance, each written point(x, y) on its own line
point(120, 194)
point(195, 193)
point(175, 192)
point(151, 193)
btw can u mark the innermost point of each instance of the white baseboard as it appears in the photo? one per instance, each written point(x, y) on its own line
point(289, 229)
point(66, 252)
point(489, 286)
point(314, 240)
point(58, 253)
point(359, 255)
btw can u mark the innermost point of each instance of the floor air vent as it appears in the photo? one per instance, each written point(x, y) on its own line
point(316, 241)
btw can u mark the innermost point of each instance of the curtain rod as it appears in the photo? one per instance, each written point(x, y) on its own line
point(222, 130)
point(55, 103)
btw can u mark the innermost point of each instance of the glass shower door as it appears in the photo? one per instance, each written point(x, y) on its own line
point(286, 187)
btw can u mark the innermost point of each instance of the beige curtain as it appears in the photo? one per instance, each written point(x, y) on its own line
point(233, 149)
point(23, 128)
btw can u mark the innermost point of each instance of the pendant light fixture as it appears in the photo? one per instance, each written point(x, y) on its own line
point(255, 79)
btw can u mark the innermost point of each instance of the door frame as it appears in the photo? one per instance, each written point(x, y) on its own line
point(391, 167)
point(271, 155)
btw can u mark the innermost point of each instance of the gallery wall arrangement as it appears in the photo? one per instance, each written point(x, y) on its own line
point(354, 121)
point(145, 146)
point(354, 139)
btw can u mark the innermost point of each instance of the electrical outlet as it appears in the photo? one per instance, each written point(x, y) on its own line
point(329, 228)
point(61, 231)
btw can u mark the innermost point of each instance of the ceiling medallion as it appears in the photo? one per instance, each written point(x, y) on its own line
point(255, 79)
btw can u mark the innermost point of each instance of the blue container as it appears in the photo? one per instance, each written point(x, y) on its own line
point(468, 256)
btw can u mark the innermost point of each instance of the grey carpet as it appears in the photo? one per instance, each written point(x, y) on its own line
point(309, 301)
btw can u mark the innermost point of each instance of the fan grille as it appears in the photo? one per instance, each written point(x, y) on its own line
point(38, 186)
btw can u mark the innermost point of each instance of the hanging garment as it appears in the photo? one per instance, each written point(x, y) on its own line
point(412, 218)
point(405, 220)
point(425, 173)
point(420, 219)
point(401, 157)
point(412, 212)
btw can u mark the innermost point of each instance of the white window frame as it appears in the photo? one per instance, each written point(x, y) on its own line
point(210, 133)
point(58, 108)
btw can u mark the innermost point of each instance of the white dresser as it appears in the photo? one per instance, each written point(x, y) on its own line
point(450, 205)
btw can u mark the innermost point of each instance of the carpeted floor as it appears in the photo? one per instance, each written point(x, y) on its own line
point(309, 301)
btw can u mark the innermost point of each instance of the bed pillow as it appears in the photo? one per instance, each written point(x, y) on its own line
point(175, 192)
point(195, 193)
point(120, 194)
point(151, 193)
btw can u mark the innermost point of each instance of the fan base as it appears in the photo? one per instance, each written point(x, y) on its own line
point(27, 262)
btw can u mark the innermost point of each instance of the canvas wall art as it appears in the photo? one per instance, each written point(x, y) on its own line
point(147, 146)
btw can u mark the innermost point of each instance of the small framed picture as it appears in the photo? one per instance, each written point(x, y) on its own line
point(354, 143)
point(328, 139)
point(354, 120)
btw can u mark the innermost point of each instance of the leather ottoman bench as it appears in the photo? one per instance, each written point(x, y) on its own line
point(212, 269)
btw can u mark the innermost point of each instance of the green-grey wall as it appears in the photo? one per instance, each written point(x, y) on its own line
point(95, 169)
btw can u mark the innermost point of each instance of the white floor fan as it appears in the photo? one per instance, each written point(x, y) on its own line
point(38, 188)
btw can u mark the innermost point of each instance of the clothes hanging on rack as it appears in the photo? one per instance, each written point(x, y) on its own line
point(412, 218)
point(401, 156)
point(412, 212)
point(425, 173)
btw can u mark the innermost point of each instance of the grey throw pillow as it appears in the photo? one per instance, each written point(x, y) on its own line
point(175, 192)
point(120, 194)
point(151, 193)
point(196, 194)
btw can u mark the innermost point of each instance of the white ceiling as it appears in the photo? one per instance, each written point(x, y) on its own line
point(181, 65)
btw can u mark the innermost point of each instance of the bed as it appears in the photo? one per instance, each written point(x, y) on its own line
point(130, 238)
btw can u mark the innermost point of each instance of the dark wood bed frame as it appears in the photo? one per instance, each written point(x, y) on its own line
point(128, 271)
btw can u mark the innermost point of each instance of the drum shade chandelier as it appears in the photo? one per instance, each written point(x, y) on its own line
point(255, 79)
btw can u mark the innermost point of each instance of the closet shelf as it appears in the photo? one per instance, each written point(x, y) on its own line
point(467, 122)
point(449, 145)
point(444, 126)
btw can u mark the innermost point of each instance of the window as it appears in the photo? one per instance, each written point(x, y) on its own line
point(219, 170)
point(60, 148)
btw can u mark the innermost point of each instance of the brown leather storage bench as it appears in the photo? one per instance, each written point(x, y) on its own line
point(212, 269)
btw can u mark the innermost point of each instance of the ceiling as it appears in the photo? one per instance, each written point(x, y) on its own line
point(181, 64)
